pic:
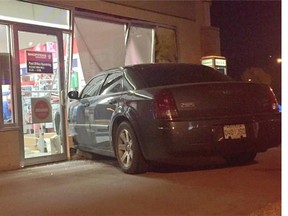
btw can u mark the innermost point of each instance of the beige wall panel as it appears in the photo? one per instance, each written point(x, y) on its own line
point(10, 150)
point(210, 41)
point(178, 8)
point(188, 32)
point(189, 48)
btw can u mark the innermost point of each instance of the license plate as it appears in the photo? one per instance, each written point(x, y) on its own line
point(235, 131)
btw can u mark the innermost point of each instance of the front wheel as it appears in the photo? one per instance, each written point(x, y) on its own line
point(242, 158)
point(127, 150)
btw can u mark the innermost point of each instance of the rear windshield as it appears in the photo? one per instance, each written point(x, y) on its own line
point(161, 75)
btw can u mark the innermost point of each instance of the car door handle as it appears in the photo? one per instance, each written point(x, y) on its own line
point(85, 102)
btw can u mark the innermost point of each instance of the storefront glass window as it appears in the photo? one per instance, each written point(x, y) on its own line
point(98, 46)
point(25, 12)
point(40, 77)
point(5, 76)
point(165, 45)
point(139, 45)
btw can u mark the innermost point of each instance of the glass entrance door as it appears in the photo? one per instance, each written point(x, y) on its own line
point(41, 75)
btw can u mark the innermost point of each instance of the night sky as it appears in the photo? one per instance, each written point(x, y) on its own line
point(250, 34)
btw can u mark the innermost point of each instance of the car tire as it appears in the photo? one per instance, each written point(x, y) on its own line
point(239, 159)
point(127, 150)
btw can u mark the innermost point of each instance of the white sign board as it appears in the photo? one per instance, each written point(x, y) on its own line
point(220, 62)
point(207, 62)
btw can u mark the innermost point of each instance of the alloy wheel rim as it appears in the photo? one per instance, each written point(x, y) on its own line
point(125, 151)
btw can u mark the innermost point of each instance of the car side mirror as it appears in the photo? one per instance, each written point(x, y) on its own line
point(73, 95)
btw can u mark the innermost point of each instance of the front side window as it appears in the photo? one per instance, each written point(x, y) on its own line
point(5, 77)
point(93, 87)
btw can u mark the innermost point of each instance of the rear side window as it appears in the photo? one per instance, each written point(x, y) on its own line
point(112, 84)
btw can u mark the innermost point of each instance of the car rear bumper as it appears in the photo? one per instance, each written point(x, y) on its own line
point(170, 140)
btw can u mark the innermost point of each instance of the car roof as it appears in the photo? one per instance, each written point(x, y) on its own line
point(150, 65)
point(160, 65)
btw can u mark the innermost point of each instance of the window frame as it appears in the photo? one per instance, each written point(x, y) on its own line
point(6, 125)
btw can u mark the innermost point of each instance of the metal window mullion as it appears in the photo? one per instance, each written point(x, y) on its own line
point(127, 33)
point(153, 46)
point(1, 107)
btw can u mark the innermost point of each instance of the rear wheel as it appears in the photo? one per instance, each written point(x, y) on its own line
point(241, 158)
point(128, 151)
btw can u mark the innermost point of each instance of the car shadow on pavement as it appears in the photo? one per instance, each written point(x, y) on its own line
point(195, 164)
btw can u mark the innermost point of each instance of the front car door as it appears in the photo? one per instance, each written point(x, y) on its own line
point(104, 106)
point(80, 113)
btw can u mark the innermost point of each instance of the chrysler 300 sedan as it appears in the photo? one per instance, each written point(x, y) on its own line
point(168, 112)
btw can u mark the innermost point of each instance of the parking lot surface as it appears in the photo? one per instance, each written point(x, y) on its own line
point(98, 187)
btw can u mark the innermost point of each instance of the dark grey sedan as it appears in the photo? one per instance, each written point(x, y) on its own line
point(170, 112)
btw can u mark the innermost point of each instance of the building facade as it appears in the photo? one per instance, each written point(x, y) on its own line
point(48, 48)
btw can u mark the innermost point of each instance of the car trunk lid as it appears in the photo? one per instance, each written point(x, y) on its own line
point(219, 99)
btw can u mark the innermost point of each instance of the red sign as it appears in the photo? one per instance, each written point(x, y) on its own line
point(41, 110)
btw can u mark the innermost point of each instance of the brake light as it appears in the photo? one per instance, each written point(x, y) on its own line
point(272, 103)
point(165, 106)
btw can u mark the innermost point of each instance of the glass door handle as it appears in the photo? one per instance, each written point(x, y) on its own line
point(62, 98)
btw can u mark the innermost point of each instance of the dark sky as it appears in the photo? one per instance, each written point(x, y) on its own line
point(250, 32)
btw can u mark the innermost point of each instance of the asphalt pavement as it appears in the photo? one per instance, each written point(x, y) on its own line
point(98, 187)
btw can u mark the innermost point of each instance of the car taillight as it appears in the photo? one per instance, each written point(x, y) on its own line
point(165, 106)
point(272, 103)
